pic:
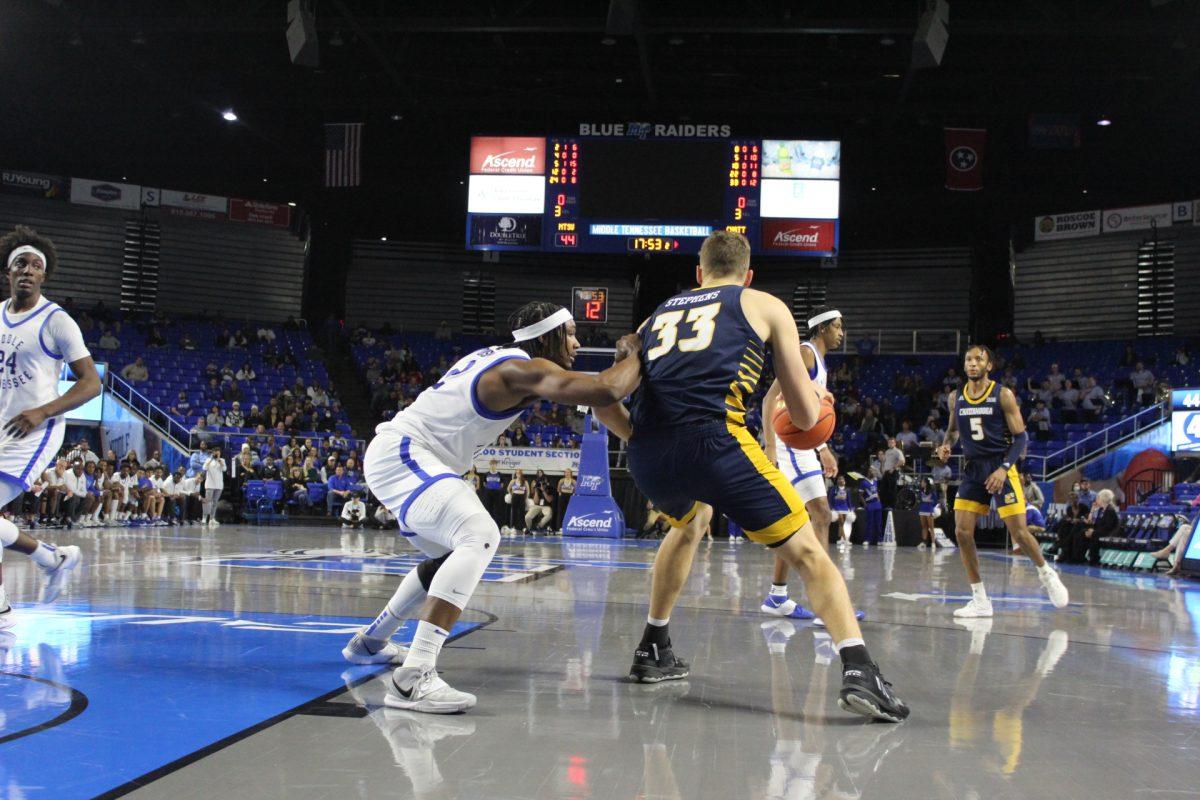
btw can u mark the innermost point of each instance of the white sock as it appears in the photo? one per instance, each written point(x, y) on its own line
point(3, 598)
point(1045, 569)
point(852, 642)
point(778, 590)
point(409, 593)
point(45, 555)
point(979, 593)
point(426, 645)
point(658, 623)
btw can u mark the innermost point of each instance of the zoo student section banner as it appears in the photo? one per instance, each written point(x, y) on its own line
point(529, 459)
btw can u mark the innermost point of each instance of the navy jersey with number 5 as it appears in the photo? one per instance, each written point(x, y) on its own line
point(982, 428)
point(701, 360)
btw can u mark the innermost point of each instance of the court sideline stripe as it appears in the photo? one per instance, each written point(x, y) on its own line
point(153, 775)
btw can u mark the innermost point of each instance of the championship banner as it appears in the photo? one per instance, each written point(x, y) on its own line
point(1137, 218)
point(106, 193)
point(194, 204)
point(33, 183)
point(1074, 225)
point(529, 459)
point(259, 212)
point(964, 159)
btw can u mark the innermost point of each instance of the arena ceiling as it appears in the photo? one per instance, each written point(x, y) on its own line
point(134, 89)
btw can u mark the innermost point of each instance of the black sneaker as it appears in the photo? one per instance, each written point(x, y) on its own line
point(653, 664)
point(864, 691)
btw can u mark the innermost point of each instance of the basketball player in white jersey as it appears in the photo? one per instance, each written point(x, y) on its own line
point(413, 466)
point(36, 336)
point(805, 469)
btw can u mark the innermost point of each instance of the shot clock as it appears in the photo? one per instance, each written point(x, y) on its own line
point(589, 304)
point(652, 196)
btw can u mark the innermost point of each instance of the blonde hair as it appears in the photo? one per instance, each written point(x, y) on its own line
point(725, 253)
point(1106, 498)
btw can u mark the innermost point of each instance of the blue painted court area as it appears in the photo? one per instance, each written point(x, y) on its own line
point(91, 698)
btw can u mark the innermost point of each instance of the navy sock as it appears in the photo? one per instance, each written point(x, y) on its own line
point(656, 634)
point(855, 654)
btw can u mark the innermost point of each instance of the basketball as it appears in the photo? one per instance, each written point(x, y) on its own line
point(815, 436)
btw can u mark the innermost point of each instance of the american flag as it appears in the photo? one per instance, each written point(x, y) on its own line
point(343, 152)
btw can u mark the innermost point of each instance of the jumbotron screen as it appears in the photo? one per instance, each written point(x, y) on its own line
point(639, 193)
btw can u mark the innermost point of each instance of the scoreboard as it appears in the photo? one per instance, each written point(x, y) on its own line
point(627, 194)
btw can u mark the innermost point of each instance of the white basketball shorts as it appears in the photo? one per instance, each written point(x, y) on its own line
point(22, 461)
point(430, 501)
point(803, 468)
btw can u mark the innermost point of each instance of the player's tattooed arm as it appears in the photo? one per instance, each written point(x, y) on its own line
point(951, 437)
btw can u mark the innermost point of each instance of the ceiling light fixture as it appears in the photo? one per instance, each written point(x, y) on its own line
point(229, 116)
point(383, 238)
point(292, 203)
point(1104, 121)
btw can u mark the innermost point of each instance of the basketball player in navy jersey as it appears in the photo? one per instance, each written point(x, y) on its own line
point(36, 337)
point(995, 439)
point(703, 352)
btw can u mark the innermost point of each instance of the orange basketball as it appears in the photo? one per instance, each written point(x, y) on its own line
point(798, 439)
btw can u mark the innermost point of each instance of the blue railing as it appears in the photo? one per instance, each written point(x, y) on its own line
point(1044, 468)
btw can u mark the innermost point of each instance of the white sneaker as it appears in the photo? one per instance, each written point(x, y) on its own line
point(866, 545)
point(421, 689)
point(921, 546)
point(975, 608)
point(1055, 589)
point(214, 523)
point(358, 651)
point(8, 618)
point(68, 559)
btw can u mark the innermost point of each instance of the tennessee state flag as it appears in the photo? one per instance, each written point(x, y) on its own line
point(964, 159)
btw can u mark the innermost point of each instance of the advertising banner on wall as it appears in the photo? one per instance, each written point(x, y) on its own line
point(804, 235)
point(508, 155)
point(508, 230)
point(194, 204)
point(105, 193)
point(33, 183)
point(530, 459)
point(1074, 225)
point(1137, 218)
point(259, 212)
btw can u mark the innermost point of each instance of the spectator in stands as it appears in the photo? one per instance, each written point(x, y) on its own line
point(1130, 358)
point(1105, 522)
point(187, 496)
point(212, 391)
point(154, 461)
point(538, 511)
point(869, 424)
point(1068, 399)
point(1033, 493)
point(83, 452)
point(906, 439)
point(234, 418)
point(1177, 545)
point(245, 372)
point(54, 483)
point(931, 431)
point(952, 379)
point(74, 492)
point(368, 339)
point(941, 475)
point(320, 398)
point(1142, 381)
point(1039, 422)
point(183, 406)
point(383, 517)
point(232, 392)
point(296, 487)
point(108, 341)
point(268, 471)
point(328, 469)
point(338, 487)
point(155, 338)
point(136, 372)
point(1182, 356)
point(187, 341)
point(265, 335)
point(1055, 379)
point(1092, 400)
point(211, 371)
point(224, 339)
point(200, 431)
point(227, 373)
point(215, 418)
point(240, 339)
point(443, 332)
point(1084, 493)
point(254, 419)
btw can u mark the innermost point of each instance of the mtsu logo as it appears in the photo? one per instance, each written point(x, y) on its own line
point(638, 130)
point(590, 482)
point(963, 158)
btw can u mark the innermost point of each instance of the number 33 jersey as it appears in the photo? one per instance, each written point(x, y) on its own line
point(448, 419)
point(701, 361)
point(33, 346)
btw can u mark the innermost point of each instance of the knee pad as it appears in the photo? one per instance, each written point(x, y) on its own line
point(428, 568)
point(475, 544)
point(477, 531)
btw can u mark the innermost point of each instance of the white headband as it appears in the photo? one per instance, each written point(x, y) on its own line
point(25, 248)
point(560, 317)
point(819, 318)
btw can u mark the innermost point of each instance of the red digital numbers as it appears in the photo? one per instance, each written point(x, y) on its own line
point(594, 310)
point(567, 240)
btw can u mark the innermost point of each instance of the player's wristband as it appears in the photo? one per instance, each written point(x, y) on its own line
point(1007, 466)
point(820, 447)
